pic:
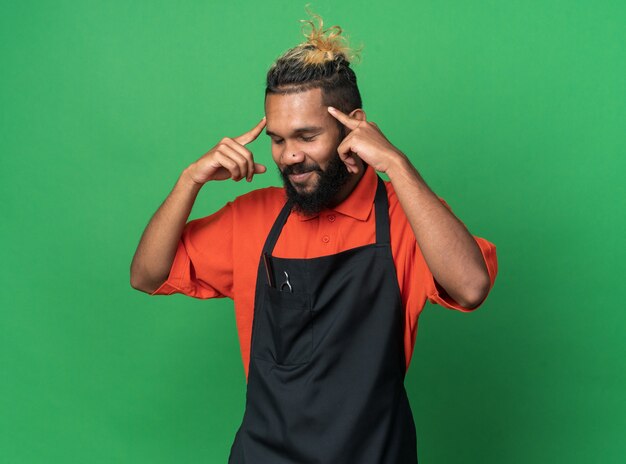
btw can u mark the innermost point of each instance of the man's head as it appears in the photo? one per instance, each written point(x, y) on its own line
point(301, 84)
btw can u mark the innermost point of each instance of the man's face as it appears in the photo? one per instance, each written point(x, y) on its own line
point(305, 138)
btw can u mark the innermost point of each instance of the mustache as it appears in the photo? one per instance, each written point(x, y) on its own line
point(301, 168)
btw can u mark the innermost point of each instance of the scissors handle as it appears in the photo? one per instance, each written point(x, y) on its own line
point(286, 285)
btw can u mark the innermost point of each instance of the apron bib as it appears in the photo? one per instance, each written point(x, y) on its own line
point(327, 367)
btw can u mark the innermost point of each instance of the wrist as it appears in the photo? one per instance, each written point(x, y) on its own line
point(399, 165)
point(186, 180)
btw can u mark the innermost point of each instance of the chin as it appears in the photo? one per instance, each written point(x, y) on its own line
point(305, 188)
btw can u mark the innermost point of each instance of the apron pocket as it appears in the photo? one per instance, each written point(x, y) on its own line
point(286, 330)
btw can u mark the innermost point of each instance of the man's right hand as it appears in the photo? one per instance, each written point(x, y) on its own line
point(229, 159)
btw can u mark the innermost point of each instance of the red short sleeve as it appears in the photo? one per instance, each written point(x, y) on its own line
point(436, 293)
point(203, 264)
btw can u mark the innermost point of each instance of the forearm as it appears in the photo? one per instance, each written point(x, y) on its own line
point(450, 251)
point(156, 250)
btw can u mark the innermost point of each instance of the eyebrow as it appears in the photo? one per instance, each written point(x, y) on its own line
point(298, 131)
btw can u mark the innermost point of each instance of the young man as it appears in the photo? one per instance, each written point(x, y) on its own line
point(328, 274)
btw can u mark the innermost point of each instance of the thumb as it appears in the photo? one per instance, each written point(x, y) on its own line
point(259, 168)
point(350, 162)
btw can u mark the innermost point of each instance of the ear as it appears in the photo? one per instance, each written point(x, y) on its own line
point(358, 114)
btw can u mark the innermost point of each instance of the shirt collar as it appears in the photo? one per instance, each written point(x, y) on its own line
point(358, 204)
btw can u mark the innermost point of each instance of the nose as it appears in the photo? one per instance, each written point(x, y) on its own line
point(292, 157)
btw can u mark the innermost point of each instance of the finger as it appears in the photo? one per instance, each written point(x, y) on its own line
point(350, 162)
point(223, 162)
point(252, 134)
point(347, 144)
point(350, 123)
point(347, 156)
point(259, 168)
point(243, 151)
point(229, 157)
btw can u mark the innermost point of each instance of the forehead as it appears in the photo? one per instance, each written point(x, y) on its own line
point(286, 112)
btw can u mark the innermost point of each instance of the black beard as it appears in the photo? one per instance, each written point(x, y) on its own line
point(329, 183)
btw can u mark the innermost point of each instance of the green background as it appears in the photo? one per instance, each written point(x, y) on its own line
point(514, 112)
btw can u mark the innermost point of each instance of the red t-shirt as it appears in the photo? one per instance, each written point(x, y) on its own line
point(218, 255)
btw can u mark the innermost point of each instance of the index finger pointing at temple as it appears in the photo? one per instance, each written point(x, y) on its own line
point(252, 134)
point(344, 119)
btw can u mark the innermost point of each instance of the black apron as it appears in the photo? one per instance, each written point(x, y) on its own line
point(327, 365)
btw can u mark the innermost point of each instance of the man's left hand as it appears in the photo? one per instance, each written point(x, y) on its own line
point(366, 141)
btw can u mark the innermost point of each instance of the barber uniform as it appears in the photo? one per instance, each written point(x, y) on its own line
point(327, 367)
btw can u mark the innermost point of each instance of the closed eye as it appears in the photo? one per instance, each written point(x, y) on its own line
point(308, 139)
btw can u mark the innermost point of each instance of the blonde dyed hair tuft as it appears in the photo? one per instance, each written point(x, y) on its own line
point(321, 44)
point(321, 61)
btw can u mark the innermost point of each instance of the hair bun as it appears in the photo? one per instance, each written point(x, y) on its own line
point(324, 45)
point(322, 61)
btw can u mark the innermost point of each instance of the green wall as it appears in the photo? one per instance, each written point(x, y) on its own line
point(514, 112)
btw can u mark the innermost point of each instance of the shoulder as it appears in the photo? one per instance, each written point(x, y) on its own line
point(402, 235)
point(260, 199)
point(267, 194)
point(258, 206)
point(254, 204)
point(253, 216)
point(394, 203)
point(397, 218)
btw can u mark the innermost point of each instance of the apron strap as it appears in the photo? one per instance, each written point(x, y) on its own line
point(272, 237)
point(381, 205)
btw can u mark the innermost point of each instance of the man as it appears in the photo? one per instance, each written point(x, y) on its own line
point(328, 275)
